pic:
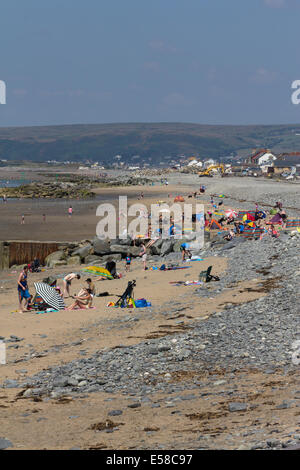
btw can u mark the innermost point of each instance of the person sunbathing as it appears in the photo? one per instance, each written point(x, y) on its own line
point(83, 300)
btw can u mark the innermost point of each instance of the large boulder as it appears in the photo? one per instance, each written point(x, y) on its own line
point(119, 241)
point(57, 263)
point(167, 247)
point(113, 257)
point(55, 256)
point(134, 250)
point(123, 249)
point(92, 259)
point(155, 248)
point(73, 260)
point(100, 246)
point(83, 251)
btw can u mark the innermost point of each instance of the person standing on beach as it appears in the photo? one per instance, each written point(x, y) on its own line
point(143, 255)
point(44, 218)
point(70, 211)
point(67, 282)
point(23, 292)
point(22, 219)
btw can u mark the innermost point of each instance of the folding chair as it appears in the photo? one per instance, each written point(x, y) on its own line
point(206, 276)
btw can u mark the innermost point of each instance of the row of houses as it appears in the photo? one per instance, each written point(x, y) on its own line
point(269, 162)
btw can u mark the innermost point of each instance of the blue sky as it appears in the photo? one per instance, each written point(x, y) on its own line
point(103, 61)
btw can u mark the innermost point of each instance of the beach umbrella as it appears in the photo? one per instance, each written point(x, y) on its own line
point(98, 271)
point(49, 295)
point(262, 214)
point(231, 213)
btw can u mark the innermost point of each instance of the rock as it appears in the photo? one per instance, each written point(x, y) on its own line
point(134, 250)
point(73, 260)
point(83, 251)
point(60, 382)
point(155, 248)
point(59, 255)
point(100, 246)
point(93, 259)
point(113, 257)
point(115, 413)
point(5, 443)
point(123, 249)
point(237, 407)
point(53, 264)
point(166, 247)
point(10, 383)
point(134, 405)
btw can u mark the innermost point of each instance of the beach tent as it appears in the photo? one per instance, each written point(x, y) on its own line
point(98, 271)
point(242, 213)
point(49, 295)
point(214, 225)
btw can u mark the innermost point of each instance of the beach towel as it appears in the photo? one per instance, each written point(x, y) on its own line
point(49, 310)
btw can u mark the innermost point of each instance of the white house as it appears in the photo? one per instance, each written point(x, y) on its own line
point(267, 159)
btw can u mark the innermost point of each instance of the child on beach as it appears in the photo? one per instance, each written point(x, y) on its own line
point(91, 287)
point(128, 262)
point(70, 211)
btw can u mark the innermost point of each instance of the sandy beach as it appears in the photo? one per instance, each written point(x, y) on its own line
point(155, 387)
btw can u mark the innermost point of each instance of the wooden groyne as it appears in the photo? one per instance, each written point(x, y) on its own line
point(17, 252)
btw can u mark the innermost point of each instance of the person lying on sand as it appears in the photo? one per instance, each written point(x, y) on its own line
point(84, 300)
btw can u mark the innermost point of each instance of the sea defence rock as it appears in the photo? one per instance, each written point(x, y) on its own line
point(123, 249)
point(155, 248)
point(101, 247)
point(93, 259)
point(83, 252)
point(166, 247)
point(74, 260)
point(52, 259)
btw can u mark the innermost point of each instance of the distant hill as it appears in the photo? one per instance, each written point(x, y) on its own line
point(153, 143)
